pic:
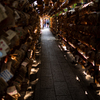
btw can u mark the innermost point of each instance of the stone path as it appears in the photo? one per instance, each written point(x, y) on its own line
point(56, 78)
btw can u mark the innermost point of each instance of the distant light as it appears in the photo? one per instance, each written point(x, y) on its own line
point(34, 61)
point(34, 82)
point(77, 78)
point(63, 13)
point(88, 77)
point(86, 92)
point(98, 85)
point(35, 69)
point(98, 92)
point(93, 63)
point(64, 47)
point(35, 3)
point(90, 3)
point(99, 68)
point(35, 31)
point(36, 8)
point(84, 73)
point(28, 94)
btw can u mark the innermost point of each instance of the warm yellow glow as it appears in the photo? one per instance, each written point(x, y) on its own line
point(31, 53)
point(83, 55)
point(30, 87)
point(28, 31)
point(98, 85)
point(93, 63)
point(35, 30)
point(86, 92)
point(84, 73)
point(34, 70)
point(99, 68)
point(98, 92)
point(34, 82)
point(30, 93)
point(35, 64)
point(77, 78)
point(72, 45)
point(13, 58)
point(64, 47)
point(90, 3)
point(37, 51)
point(88, 77)
point(34, 61)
